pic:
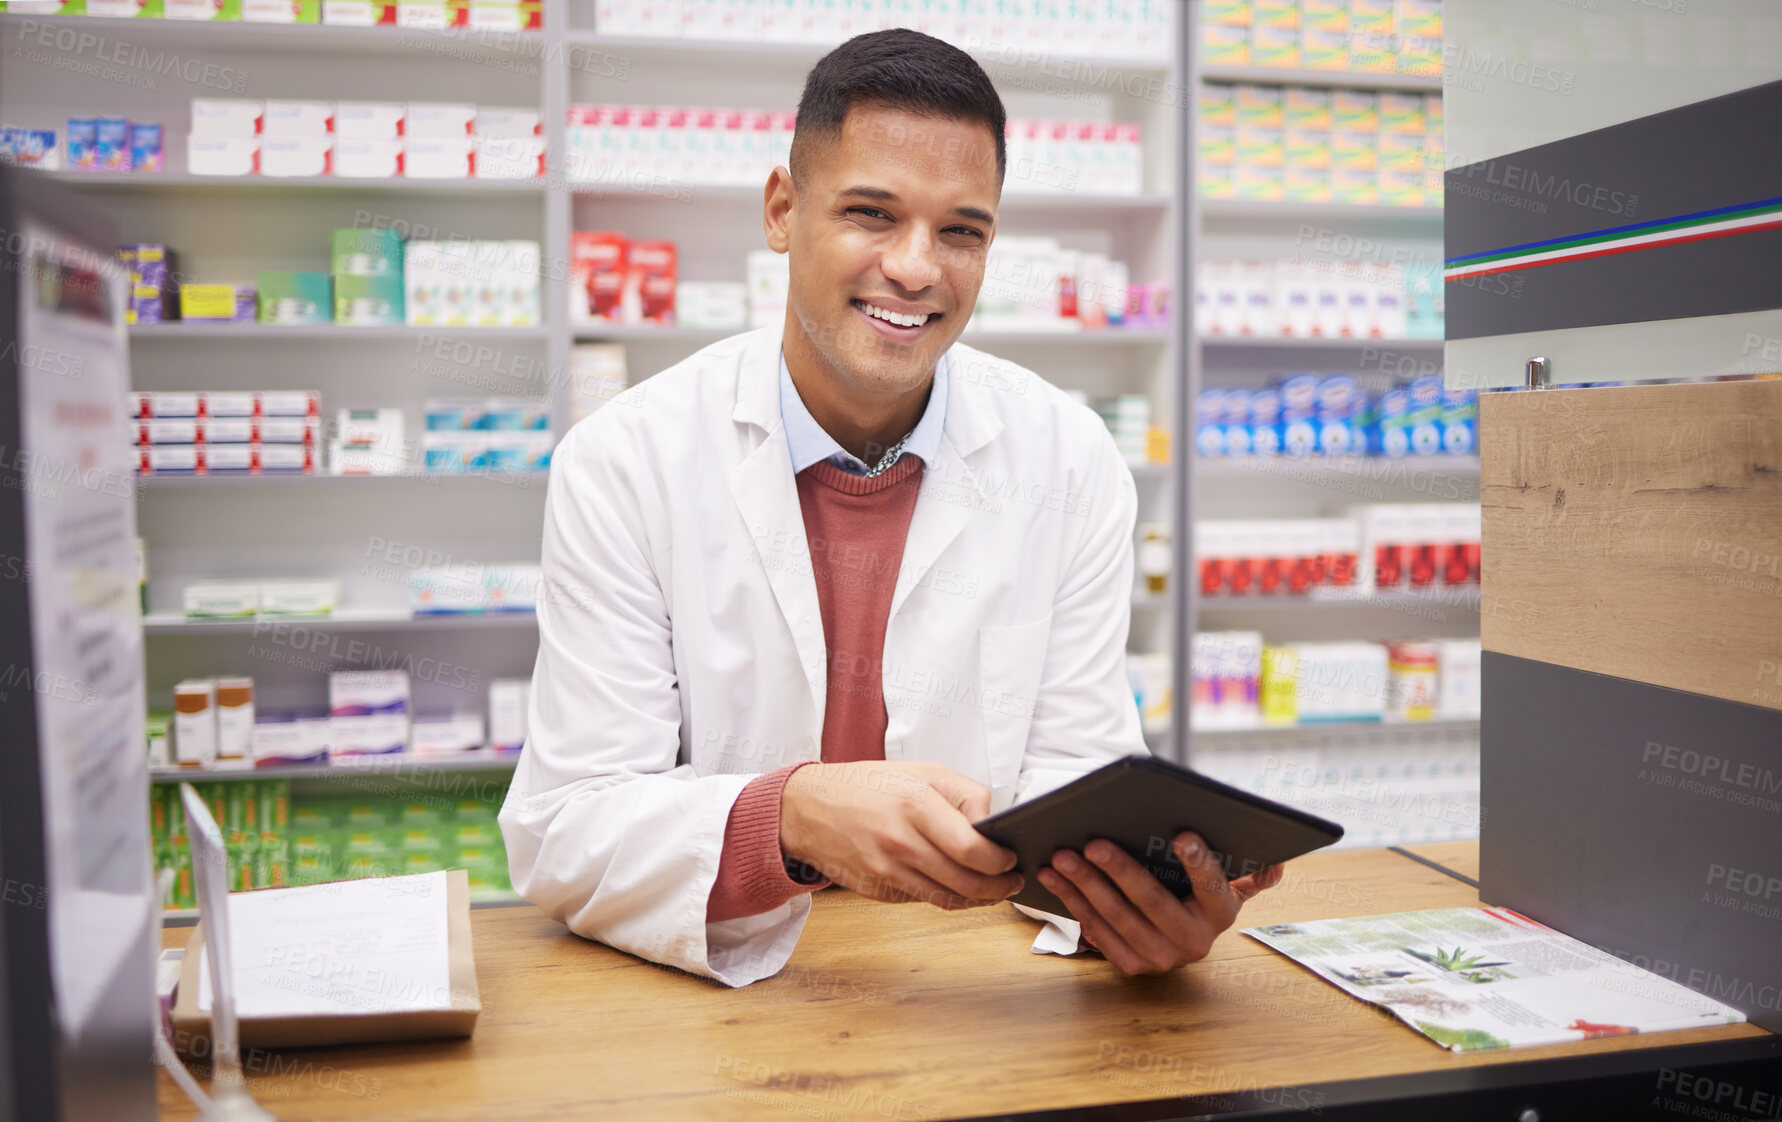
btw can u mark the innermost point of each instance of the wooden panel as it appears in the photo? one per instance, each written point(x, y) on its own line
point(1637, 532)
point(891, 1012)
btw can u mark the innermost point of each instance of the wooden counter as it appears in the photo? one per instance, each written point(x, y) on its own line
point(894, 1012)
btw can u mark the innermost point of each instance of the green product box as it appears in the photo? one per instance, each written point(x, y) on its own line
point(425, 814)
point(238, 809)
point(476, 835)
point(274, 855)
point(423, 841)
point(158, 732)
point(313, 816)
point(480, 858)
point(295, 298)
point(357, 252)
point(274, 805)
point(239, 850)
point(485, 885)
point(311, 869)
point(476, 810)
point(1216, 181)
point(126, 9)
point(360, 815)
point(368, 301)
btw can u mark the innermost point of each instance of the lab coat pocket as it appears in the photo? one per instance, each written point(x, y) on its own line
point(1010, 663)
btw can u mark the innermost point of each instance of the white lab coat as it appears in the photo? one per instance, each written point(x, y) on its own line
point(681, 650)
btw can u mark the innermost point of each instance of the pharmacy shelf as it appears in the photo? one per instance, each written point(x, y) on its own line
point(1110, 337)
point(362, 619)
point(1371, 733)
point(1012, 202)
point(1364, 468)
point(174, 181)
point(383, 767)
point(1044, 61)
point(1345, 79)
point(193, 37)
point(1425, 220)
point(186, 330)
point(1467, 597)
point(1286, 343)
point(279, 479)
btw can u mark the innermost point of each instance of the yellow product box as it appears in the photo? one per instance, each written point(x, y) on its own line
point(1324, 15)
point(1433, 121)
point(1218, 104)
point(1226, 13)
point(1355, 151)
point(1279, 691)
point(207, 301)
point(1355, 111)
point(1273, 46)
point(1401, 113)
point(1260, 107)
point(1308, 148)
point(1399, 152)
point(1260, 148)
point(1261, 182)
point(1225, 45)
point(1218, 146)
point(1356, 186)
point(1419, 56)
point(1216, 181)
point(1401, 188)
point(1373, 47)
point(1418, 19)
point(1306, 108)
point(1275, 13)
point(1323, 50)
point(1307, 184)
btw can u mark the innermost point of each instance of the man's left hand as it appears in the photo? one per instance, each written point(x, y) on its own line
point(1135, 922)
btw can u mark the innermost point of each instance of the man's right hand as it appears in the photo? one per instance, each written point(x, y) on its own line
point(896, 832)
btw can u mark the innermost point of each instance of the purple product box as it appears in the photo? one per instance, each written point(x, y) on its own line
point(246, 304)
point(111, 148)
point(83, 143)
point(146, 145)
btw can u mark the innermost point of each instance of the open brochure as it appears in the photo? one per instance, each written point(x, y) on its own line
point(1473, 979)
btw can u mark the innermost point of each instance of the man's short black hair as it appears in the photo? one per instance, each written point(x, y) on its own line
point(896, 69)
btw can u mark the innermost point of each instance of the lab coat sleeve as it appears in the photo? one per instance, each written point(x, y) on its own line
point(604, 831)
point(1084, 714)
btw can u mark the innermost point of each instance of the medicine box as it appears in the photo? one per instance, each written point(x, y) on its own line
point(295, 298)
point(298, 118)
point(365, 252)
point(431, 120)
point(222, 155)
point(362, 301)
point(369, 120)
point(365, 158)
point(147, 147)
point(216, 303)
point(231, 117)
point(83, 143)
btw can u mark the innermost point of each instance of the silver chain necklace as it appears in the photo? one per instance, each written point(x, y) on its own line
point(890, 457)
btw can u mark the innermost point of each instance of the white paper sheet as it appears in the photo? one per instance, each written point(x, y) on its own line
point(344, 949)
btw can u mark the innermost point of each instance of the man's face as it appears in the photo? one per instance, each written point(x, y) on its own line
point(887, 240)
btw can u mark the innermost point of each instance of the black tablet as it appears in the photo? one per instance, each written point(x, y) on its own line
point(1141, 803)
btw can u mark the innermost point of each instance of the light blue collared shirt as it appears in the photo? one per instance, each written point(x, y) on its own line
point(808, 443)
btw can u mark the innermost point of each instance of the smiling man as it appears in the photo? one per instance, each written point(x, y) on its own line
point(822, 596)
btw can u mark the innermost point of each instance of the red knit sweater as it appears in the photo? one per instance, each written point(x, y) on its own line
point(856, 529)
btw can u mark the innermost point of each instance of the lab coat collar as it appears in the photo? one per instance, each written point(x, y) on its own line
point(971, 419)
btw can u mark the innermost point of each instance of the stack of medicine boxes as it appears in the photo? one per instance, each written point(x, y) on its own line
point(367, 270)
